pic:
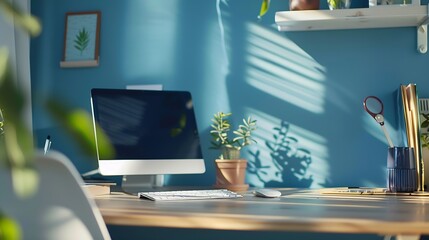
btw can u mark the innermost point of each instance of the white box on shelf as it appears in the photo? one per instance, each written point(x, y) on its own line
point(378, 3)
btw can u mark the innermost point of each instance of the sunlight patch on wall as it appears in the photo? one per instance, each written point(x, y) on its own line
point(223, 16)
point(268, 171)
point(280, 68)
point(292, 93)
point(300, 78)
point(216, 65)
point(150, 26)
point(298, 65)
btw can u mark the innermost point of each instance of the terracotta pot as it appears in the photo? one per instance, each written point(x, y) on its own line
point(304, 4)
point(231, 174)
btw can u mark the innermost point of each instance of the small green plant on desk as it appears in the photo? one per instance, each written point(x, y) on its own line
point(230, 168)
point(221, 139)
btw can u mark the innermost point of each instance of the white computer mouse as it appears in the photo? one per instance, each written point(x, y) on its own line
point(267, 193)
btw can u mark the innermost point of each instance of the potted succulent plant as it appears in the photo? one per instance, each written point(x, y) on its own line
point(293, 5)
point(304, 4)
point(230, 167)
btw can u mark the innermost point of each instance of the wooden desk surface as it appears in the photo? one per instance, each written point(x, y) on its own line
point(296, 210)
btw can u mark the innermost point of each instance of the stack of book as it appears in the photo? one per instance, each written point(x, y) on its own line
point(409, 118)
point(97, 188)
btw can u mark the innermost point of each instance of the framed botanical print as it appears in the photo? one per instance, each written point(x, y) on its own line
point(81, 40)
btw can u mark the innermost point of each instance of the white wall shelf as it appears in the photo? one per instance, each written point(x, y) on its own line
point(358, 18)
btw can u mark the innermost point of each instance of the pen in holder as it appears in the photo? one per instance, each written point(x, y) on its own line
point(47, 146)
point(401, 170)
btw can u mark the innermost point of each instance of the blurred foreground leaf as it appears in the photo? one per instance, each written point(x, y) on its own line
point(28, 22)
point(10, 96)
point(3, 63)
point(9, 229)
point(16, 141)
point(25, 181)
point(264, 8)
point(16, 145)
point(78, 124)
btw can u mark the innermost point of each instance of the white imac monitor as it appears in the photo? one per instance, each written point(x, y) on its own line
point(152, 132)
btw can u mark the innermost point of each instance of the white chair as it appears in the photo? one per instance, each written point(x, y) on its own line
point(59, 210)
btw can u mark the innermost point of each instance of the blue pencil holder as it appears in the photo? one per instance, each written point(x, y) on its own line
point(401, 170)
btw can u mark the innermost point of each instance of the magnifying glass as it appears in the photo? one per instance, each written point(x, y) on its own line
point(374, 107)
point(1, 123)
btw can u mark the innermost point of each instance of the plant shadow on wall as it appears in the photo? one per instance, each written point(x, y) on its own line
point(290, 161)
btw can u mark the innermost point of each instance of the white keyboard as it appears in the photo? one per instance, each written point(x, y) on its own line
point(188, 195)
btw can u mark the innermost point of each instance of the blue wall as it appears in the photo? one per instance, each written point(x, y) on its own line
point(310, 84)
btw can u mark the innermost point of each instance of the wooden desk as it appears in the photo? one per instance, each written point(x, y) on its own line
point(297, 210)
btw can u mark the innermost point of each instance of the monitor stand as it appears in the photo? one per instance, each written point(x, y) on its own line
point(136, 183)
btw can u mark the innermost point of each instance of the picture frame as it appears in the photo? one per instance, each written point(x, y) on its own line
point(81, 39)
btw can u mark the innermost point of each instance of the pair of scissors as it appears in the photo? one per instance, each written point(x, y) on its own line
point(374, 107)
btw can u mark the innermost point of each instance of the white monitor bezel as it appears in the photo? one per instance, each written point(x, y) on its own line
point(151, 167)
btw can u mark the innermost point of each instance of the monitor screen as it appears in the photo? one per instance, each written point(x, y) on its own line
point(152, 132)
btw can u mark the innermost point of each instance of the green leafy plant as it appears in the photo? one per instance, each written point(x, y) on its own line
point(264, 8)
point(26, 21)
point(15, 140)
point(334, 4)
point(221, 128)
point(16, 145)
point(9, 229)
point(424, 137)
point(338, 4)
point(82, 40)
